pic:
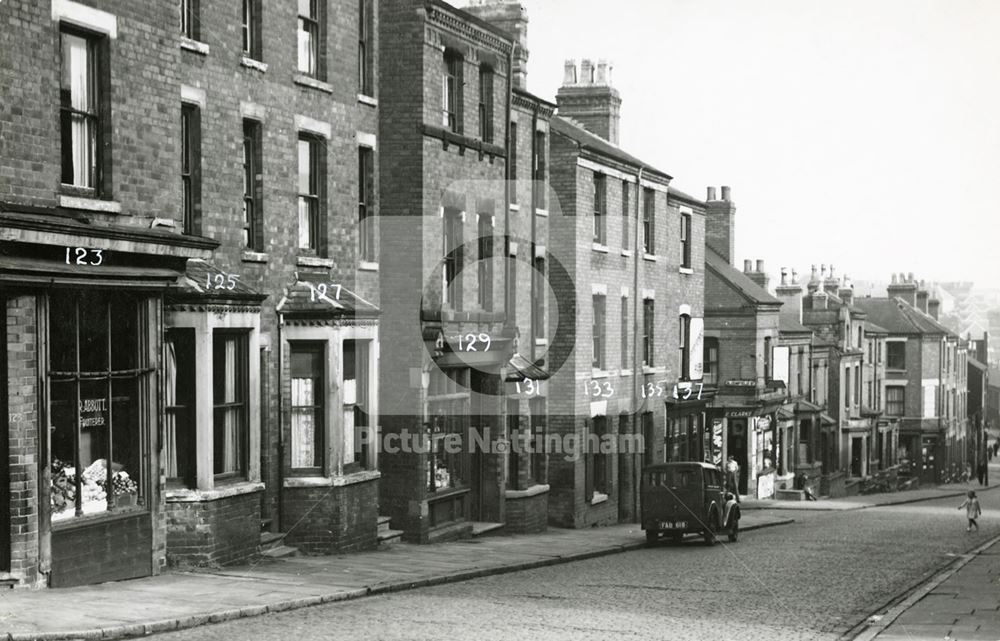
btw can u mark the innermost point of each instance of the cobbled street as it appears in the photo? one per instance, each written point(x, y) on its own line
point(813, 579)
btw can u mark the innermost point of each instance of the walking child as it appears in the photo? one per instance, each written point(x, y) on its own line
point(972, 510)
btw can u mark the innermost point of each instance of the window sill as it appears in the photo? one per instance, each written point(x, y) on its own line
point(221, 492)
point(514, 207)
point(686, 270)
point(256, 65)
point(625, 372)
point(368, 266)
point(646, 369)
point(541, 212)
point(254, 257)
point(332, 481)
point(194, 46)
point(99, 517)
point(367, 100)
point(90, 204)
point(308, 81)
point(598, 247)
point(541, 342)
point(534, 490)
point(598, 373)
point(314, 261)
point(598, 498)
point(627, 253)
point(650, 257)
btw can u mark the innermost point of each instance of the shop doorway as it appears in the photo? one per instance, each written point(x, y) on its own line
point(737, 448)
point(4, 447)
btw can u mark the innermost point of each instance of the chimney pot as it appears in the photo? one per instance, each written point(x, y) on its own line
point(711, 193)
point(587, 71)
point(725, 192)
point(822, 270)
point(760, 265)
point(795, 277)
point(831, 272)
point(747, 266)
point(784, 276)
point(894, 281)
point(603, 73)
point(569, 78)
point(911, 278)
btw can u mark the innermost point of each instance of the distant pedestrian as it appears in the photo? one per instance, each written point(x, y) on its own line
point(733, 477)
point(806, 488)
point(972, 510)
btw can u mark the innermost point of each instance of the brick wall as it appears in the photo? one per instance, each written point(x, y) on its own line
point(217, 532)
point(325, 520)
point(22, 403)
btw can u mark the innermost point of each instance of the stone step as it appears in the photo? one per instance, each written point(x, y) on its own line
point(383, 523)
point(388, 537)
point(271, 540)
point(482, 528)
point(280, 552)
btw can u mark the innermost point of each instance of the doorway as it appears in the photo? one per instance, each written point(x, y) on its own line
point(737, 448)
point(857, 456)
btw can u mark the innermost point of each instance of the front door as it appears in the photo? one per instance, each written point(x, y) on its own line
point(857, 449)
point(738, 449)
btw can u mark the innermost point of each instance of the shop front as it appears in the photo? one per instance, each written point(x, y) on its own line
point(82, 373)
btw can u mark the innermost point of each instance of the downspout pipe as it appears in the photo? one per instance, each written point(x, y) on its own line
point(636, 359)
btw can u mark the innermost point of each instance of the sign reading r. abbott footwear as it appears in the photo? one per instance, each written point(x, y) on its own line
point(92, 411)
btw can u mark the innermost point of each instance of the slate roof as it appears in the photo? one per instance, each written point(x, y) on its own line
point(872, 328)
point(593, 142)
point(788, 324)
point(740, 281)
point(899, 317)
point(314, 295)
point(203, 281)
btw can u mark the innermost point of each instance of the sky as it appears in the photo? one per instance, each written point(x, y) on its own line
point(859, 133)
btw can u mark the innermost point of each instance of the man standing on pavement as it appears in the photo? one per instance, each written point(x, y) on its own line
point(733, 477)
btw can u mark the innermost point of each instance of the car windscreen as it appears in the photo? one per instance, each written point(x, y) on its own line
point(676, 478)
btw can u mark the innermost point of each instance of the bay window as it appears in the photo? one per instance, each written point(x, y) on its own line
point(357, 405)
point(230, 392)
point(308, 405)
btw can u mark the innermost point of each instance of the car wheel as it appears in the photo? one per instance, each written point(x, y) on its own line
point(709, 534)
point(652, 536)
point(734, 530)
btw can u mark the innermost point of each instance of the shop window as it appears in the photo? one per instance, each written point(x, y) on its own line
point(451, 91)
point(539, 170)
point(253, 189)
point(97, 370)
point(453, 259)
point(648, 323)
point(191, 167)
point(367, 224)
point(486, 103)
point(366, 85)
point(625, 213)
point(358, 426)
point(307, 361)
point(311, 180)
point(600, 208)
point(686, 240)
point(538, 287)
point(711, 371)
point(895, 353)
point(311, 34)
point(230, 385)
point(190, 19)
point(649, 221)
point(537, 466)
point(250, 28)
point(83, 111)
point(180, 445)
point(599, 331)
point(449, 408)
point(485, 263)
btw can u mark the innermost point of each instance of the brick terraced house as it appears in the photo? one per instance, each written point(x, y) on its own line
point(189, 267)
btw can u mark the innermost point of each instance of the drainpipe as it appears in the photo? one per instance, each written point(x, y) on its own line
point(281, 439)
point(636, 359)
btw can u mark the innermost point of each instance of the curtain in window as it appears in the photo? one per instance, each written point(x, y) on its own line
point(303, 422)
point(170, 399)
point(231, 421)
point(76, 70)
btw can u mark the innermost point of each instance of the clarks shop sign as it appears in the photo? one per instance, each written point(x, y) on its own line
point(741, 382)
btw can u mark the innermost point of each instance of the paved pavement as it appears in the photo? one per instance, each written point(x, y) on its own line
point(186, 599)
point(813, 579)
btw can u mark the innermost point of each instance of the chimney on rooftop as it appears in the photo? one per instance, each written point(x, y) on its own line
point(922, 296)
point(846, 292)
point(509, 16)
point(831, 285)
point(757, 274)
point(590, 99)
point(720, 224)
point(904, 288)
point(789, 292)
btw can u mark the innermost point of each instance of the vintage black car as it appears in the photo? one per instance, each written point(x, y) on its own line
point(678, 498)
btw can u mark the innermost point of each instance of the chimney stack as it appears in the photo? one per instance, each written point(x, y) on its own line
point(757, 274)
point(720, 225)
point(922, 296)
point(511, 17)
point(903, 288)
point(934, 308)
point(831, 285)
point(846, 292)
point(590, 99)
point(790, 294)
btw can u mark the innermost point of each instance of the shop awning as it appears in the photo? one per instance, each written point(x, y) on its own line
point(519, 369)
point(20, 270)
point(315, 295)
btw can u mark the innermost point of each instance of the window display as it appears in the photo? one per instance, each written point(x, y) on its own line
point(95, 374)
point(449, 421)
